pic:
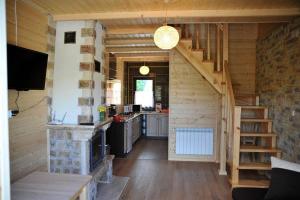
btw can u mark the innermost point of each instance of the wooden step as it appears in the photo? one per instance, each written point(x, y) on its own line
point(252, 183)
point(254, 107)
point(246, 134)
point(255, 166)
point(258, 149)
point(256, 120)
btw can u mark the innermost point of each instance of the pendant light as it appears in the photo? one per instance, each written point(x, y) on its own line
point(144, 70)
point(166, 37)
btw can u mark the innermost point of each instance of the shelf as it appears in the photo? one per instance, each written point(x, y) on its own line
point(258, 149)
point(255, 166)
point(252, 183)
point(245, 134)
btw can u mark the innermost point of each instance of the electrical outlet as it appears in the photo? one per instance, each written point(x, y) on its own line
point(9, 114)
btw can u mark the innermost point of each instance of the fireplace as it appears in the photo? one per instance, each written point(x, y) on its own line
point(97, 149)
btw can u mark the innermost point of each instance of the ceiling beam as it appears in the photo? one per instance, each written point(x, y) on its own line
point(145, 58)
point(142, 29)
point(126, 41)
point(180, 14)
point(133, 49)
point(142, 54)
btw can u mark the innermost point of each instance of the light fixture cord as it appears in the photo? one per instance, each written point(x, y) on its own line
point(166, 13)
point(16, 23)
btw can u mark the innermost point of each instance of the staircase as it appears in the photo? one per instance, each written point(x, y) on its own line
point(247, 141)
point(253, 145)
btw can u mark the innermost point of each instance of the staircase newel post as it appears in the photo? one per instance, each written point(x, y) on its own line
point(236, 145)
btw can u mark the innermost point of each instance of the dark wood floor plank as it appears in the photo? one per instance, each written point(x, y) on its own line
point(153, 177)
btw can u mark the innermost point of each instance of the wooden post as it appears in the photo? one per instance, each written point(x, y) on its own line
point(222, 170)
point(4, 137)
point(225, 44)
point(208, 42)
point(236, 145)
point(218, 46)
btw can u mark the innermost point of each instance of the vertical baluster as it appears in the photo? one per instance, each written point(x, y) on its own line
point(208, 42)
point(197, 36)
point(218, 48)
point(187, 31)
point(183, 27)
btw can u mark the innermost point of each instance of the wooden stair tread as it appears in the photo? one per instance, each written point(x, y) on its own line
point(248, 134)
point(253, 107)
point(252, 183)
point(252, 148)
point(255, 120)
point(255, 166)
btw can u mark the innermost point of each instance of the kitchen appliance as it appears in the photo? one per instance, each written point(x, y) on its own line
point(128, 109)
point(97, 149)
point(112, 110)
point(136, 108)
point(119, 137)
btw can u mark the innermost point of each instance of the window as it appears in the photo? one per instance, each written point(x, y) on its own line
point(113, 95)
point(144, 93)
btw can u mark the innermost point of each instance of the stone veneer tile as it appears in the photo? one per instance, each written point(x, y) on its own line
point(103, 85)
point(86, 84)
point(87, 49)
point(50, 48)
point(50, 65)
point(51, 31)
point(88, 32)
point(49, 83)
point(85, 101)
point(87, 66)
point(85, 119)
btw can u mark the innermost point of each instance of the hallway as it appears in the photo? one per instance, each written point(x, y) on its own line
point(153, 177)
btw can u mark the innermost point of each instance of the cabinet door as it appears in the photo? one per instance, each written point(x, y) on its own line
point(152, 129)
point(129, 136)
point(163, 126)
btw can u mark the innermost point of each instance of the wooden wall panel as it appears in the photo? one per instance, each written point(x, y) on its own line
point(27, 129)
point(193, 104)
point(242, 57)
point(32, 26)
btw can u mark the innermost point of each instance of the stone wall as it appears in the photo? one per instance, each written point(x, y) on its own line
point(278, 85)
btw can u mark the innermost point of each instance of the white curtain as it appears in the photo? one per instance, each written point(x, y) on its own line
point(144, 98)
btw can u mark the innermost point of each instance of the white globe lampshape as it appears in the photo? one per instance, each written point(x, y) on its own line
point(166, 37)
point(144, 70)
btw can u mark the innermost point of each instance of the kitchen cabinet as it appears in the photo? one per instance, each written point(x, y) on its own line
point(163, 125)
point(128, 134)
point(136, 128)
point(157, 125)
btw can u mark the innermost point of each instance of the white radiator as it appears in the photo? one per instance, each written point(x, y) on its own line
point(194, 141)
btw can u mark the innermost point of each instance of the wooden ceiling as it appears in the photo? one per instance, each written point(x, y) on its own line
point(130, 24)
point(88, 6)
point(136, 12)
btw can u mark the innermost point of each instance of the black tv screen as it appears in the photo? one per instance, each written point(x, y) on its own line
point(26, 68)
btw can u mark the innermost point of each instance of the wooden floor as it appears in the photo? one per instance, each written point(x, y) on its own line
point(153, 177)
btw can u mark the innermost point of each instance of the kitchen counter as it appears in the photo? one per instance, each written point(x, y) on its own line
point(132, 116)
point(96, 125)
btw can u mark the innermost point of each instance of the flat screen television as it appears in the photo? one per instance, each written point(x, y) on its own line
point(26, 68)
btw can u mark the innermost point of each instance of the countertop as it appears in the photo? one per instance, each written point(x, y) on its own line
point(132, 116)
point(96, 125)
